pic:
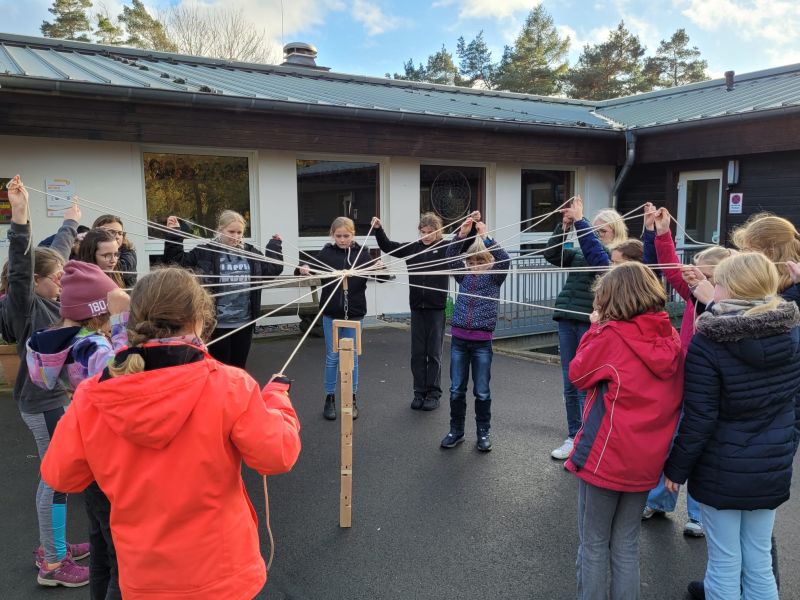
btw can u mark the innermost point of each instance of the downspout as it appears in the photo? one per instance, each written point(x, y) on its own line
point(630, 157)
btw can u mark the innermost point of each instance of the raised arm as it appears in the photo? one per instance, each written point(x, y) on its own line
point(666, 254)
point(274, 250)
point(174, 252)
point(20, 261)
point(398, 249)
point(555, 253)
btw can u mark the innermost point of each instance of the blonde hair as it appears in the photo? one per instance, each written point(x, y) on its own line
point(345, 222)
point(433, 221)
point(774, 237)
point(478, 251)
point(630, 249)
point(46, 261)
point(226, 217)
point(750, 276)
point(713, 255)
point(628, 290)
point(163, 303)
point(614, 220)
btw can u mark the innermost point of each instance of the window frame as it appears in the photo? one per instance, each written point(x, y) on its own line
point(541, 237)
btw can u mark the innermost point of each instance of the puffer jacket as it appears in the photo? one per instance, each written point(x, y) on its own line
point(633, 374)
point(576, 295)
point(738, 435)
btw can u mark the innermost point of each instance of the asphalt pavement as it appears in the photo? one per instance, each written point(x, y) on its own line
point(428, 524)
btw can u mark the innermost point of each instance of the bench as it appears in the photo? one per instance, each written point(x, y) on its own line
point(306, 309)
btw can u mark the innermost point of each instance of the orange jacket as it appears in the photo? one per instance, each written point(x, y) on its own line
point(166, 446)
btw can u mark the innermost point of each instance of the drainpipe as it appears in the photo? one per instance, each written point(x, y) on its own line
point(630, 157)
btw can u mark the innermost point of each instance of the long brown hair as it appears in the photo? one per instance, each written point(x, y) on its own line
point(628, 290)
point(102, 220)
point(773, 236)
point(88, 250)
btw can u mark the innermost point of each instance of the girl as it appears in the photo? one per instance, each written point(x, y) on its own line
point(76, 349)
point(473, 323)
point(738, 436)
point(99, 247)
point(343, 253)
point(168, 418)
point(127, 253)
point(32, 303)
point(225, 260)
point(631, 365)
point(427, 306)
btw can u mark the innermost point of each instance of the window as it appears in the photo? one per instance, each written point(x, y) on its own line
point(542, 192)
point(196, 187)
point(451, 192)
point(327, 189)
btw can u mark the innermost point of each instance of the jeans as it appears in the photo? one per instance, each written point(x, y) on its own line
point(427, 333)
point(739, 559)
point(103, 571)
point(608, 529)
point(660, 498)
point(463, 355)
point(332, 358)
point(569, 336)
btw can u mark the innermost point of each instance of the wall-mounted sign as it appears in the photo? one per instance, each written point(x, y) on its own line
point(5, 205)
point(735, 202)
point(62, 191)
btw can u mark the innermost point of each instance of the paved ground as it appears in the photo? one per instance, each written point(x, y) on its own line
point(427, 523)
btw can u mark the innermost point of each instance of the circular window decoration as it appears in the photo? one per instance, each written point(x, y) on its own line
point(450, 195)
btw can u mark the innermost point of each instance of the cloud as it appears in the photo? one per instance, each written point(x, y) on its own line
point(495, 9)
point(777, 21)
point(374, 20)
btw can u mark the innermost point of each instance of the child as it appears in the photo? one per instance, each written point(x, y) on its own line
point(351, 304)
point(127, 253)
point(225, 260)
point(631, 365)
point(738, 436)
point(99, 247)
point(427, 306)
point(473, 323)
point(70, 352)
point(163, 431)
point(32, 303)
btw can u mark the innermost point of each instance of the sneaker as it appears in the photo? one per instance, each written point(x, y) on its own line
point(74, 551)
point(329, 412)
point(430, 404)
point(564, 450)
point(67, 574)
point(697, 590)
point(693, 529)
point(649, 513)
point(417, 402)
point(484, 441)
point(452, 439)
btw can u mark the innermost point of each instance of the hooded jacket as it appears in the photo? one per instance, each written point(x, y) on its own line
point(166, 446)
point(633, 374)
point(577, 294)
point(739, 431)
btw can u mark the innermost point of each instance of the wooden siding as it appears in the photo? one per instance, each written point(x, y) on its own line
point(109, 120)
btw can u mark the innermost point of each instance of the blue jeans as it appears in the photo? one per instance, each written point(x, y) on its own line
point(569, 336)
point(332, 358)
point(463, 355)
point(662, 499)
point(739, 559)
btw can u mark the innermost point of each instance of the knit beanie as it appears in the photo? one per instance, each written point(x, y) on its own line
point(84, 291)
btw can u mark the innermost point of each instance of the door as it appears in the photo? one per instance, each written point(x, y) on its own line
point(699, 206)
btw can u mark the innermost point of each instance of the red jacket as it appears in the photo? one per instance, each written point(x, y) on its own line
point(633, 374)
point(166, 446)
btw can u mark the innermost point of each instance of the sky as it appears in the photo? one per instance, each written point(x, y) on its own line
point(375, 37)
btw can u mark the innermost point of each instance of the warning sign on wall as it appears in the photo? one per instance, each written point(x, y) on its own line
point(735, 202)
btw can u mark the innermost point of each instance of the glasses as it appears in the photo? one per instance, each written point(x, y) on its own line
point(118, 233)
point(109, 256)
point(55, 277)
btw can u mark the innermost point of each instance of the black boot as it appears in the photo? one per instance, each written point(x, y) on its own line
point(483, 418)
point(329, 412)
point(355, 408)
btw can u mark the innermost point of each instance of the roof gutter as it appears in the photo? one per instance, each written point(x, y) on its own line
point(630, 158)
point(217, 101)
point(721, 120)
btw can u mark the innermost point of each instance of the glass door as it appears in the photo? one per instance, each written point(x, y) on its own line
point(699, 205)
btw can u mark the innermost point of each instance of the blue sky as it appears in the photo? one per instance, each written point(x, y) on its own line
point(372, 37)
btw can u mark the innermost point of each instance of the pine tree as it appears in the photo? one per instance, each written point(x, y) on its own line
point(70, 20)
point(537, 63)
point(611, 69)
point(411, 73)
point(475, 61)
point(144, 31)
point(107, 32)
point(442, 69)
point(675, 63)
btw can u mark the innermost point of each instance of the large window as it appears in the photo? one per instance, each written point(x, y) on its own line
point(327, 189)
point(196, 187)
point(451, 192)
point(542, 192)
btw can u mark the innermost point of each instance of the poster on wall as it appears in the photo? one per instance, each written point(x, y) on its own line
point(5, 205)
point(62, 191)
point(735, 202)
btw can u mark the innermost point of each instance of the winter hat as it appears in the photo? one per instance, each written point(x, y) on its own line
point(84, 290)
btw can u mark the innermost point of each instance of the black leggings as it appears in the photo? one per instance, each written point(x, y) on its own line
point(103, 570)
point(232, 350)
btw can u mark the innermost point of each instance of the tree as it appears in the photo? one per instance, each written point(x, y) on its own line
point(107, 31)
point(675, 63)
point(144, 31)
point(610, 69)
point(411, 73)
point(70, 20)
point(537, 63)
point(442, 69)
point(475, 61)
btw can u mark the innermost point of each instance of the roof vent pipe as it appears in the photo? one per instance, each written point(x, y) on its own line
point(729, 75)
point(630, 157)
point(300, 54)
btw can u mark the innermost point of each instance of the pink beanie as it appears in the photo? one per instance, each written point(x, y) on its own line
point(84, 290)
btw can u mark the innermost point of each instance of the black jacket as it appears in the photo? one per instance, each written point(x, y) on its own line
point(204, 259)
point(738, 435)
point(420, 258)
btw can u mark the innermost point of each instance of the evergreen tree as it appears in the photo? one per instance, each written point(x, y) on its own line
point(611, 69)
point(537, 63)
point(411, 73)
point(675, 63)
point(70, 20)
point(475, 61)
point(442, 69)
point(107, 32)
point(144, 31)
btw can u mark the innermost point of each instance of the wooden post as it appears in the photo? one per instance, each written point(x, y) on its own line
point(345, 347)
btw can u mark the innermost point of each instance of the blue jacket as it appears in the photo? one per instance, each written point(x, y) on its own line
point(471, 312)
point(739, 431)
point(597, 256)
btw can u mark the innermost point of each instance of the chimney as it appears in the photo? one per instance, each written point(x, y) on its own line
point(729, 75)
point(299, 54)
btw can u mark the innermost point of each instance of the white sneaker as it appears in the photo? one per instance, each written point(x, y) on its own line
point(649, 513)
point(564, 450)
point(693, 529)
